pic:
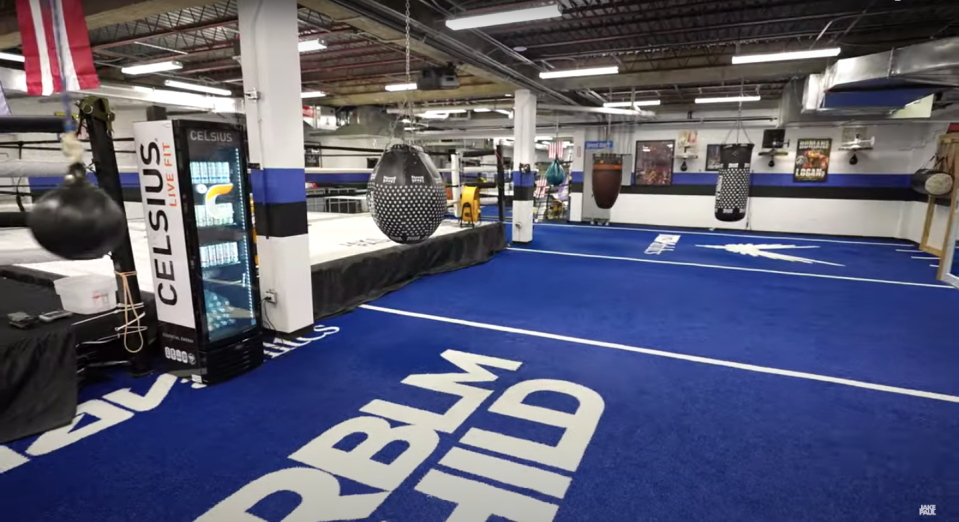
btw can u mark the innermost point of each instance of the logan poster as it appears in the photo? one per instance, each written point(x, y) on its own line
point(812, 159)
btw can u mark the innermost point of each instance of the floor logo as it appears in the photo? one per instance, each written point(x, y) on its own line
point(767, 252)
point(662, 243)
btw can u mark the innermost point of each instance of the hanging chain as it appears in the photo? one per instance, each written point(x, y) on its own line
point(406, 108)
point(406, 92)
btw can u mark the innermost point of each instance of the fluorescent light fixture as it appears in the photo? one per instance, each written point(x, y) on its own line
point(728, 99)
point(198, 88)
point(572, 73)
point(405, 120)
point(544, 138)
point(12, 57)
point(409, 129)
point(140, 88)
point(637, 103)
point(401, 87)
point(148, 68)
point(504, 17)
point(440, 110)
point(481, 109)
point(312, 94)
point(782, 57)
point(435, 115)
point(506, 112)
point(307, 46)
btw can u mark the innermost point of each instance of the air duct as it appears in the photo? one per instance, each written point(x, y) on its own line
point(362, 122)
point(884, 82)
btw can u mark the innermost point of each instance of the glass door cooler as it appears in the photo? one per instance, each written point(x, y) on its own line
point(212, 181)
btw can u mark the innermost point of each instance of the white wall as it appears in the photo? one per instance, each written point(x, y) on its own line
point(900, 149)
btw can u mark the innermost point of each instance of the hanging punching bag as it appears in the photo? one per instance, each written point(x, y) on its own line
point(607, 179)
point(932, 182)
point(77, 220)
point(732, 183)
point(407, 195)
point(555, 174)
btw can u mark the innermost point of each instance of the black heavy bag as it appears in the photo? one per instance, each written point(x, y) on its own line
point(732, 185)
point(407, 195)
point(77, 220)
point(607, 179)
point(932, 182)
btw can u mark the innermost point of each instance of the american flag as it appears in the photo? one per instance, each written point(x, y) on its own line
point(42, 22)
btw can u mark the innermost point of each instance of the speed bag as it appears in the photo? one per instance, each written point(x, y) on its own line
point(555, 174)
point(406, 195)
point(732, 184)
point(932, 182)
point(607, 179)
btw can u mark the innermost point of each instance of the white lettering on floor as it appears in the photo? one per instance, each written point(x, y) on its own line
point(474, 501)
point(764, 251)
point(662, 243)
point(280, 346)
point(107, 412)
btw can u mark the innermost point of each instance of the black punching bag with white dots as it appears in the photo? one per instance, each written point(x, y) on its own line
point(407, 195)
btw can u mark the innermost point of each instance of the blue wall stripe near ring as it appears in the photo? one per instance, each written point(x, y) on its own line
point(786, 180)
point(576, 176)
point(523, 180)
point(273, 186)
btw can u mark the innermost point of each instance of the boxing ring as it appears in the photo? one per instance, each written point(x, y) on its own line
point(352, 260)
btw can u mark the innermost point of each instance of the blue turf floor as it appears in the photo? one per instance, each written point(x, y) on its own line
point(677, 440)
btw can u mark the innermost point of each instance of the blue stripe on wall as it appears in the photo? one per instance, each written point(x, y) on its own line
point(274, 186)
point(523, 180)
point(576, 176)
point(786, 180)
point(127, 180)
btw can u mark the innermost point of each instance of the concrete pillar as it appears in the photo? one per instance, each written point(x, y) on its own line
point(524, 164)
point(576, 168)
point(457, 185)
point(271, 68)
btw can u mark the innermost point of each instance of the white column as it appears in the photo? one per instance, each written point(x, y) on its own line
point(269, 34)
point(576, 168)
point(457, 187)
point(524, 153)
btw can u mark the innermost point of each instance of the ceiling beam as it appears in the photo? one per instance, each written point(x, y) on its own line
point(724, 73)
point(103, 13)
point(388, 98)
point(381, 32)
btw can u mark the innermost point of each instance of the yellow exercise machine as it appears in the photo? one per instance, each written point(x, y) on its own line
point(470, 205)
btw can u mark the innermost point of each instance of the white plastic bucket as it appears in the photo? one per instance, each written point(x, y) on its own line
point(87, 294)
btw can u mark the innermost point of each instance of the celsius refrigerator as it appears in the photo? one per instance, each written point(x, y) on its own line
point(196, 197)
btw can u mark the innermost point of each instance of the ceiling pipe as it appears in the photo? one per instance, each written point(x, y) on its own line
point(458, 50)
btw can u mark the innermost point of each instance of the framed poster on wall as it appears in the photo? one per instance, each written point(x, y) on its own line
point(812, 159)
point(714, 161)
point(654, 162)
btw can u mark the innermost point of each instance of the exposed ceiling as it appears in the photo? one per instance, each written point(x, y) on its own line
point(673, 50)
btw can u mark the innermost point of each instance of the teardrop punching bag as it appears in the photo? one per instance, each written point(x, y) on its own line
point(555, 174)
point(407, 195)
point(607, 179)
point(77, 220)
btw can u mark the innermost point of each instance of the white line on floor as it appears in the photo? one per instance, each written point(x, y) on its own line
point(910, 250)
point(924, 257)
point(934, 266)
point(673, 355)
point(689, 232)
point(723, 267)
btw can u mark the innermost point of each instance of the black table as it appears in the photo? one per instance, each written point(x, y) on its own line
point(41, 367)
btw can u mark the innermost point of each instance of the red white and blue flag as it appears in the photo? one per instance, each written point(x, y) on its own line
point(41, 23)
